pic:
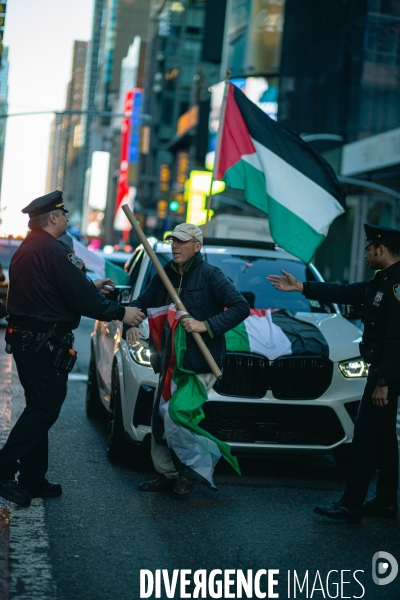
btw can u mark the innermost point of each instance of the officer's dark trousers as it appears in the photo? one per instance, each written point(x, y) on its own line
point(26, 449)
point(374, 444)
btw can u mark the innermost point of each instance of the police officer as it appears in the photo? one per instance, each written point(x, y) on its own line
point(48, 293)
point(375, 439)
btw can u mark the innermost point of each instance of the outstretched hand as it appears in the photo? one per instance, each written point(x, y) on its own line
point(285, 282)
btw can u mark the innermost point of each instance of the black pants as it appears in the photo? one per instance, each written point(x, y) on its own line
point(26, 449)
point(374, 443)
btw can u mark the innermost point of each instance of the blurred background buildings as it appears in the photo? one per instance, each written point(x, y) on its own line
point(4, 69)
point(329, 71)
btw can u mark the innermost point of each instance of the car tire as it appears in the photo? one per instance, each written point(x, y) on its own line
point(117, 446)
point(94, 406)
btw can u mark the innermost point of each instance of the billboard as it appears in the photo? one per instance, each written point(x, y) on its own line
point(96, 193)
point(129, 153)
point(255, 30)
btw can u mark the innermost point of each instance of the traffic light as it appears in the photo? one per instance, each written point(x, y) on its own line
point(162, 206)
point(174, 205)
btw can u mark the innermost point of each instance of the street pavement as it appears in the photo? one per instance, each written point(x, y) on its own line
point(91, 543)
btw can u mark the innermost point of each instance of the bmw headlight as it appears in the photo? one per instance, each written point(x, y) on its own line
point(140, 354)
point(356, 367)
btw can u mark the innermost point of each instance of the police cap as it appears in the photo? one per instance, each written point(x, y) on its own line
point(45, 204)
point(381, 235)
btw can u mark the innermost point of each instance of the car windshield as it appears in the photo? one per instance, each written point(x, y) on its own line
point(248, 273)
point(6, 253)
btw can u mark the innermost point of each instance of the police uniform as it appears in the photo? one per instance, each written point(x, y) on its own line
point(375, 439)
point(48, 292)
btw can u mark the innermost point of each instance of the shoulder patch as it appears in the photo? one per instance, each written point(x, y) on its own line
point(396, 291)
point(78, 262)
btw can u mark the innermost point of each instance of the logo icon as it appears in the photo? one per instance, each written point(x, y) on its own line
point(385, 564)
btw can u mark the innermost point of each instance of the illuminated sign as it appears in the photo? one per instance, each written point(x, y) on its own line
point(188, 120)
point(197, 191)
point(134, 138)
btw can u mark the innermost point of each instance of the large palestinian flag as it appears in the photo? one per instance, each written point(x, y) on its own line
point(181, 394)
point(280, 174)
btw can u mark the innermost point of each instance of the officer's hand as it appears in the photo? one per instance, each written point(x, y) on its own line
point(133, 335)
point(133, 316)
point(287, 283)
point(104, 285)
point(193, 326)
point(379, 396)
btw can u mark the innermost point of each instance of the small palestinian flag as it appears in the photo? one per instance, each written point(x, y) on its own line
point(181, 394)
point(280, 174)
point(275, 333)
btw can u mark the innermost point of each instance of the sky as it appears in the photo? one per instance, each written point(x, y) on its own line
point(40, 37)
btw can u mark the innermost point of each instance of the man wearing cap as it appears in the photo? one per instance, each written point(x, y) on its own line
point(375, 439)
point(48, 293)
point(215, 307)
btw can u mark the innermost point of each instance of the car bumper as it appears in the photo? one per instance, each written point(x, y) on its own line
point(255, 425)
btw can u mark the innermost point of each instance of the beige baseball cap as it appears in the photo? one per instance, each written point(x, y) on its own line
point(186, 232)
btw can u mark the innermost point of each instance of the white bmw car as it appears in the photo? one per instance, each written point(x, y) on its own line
point(304, 402)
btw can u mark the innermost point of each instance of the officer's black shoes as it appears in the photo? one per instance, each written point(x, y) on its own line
point(45, 490)
point(12, 492)
point(372, 508)
point(183, 485)
point(157, 485)
point(339, 511)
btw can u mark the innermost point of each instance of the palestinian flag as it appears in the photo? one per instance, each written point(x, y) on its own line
point(181, 394)
point(275, 333)
point(280, 174)
point(98, 264)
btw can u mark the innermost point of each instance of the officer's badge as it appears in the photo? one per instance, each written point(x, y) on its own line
point(396, 291)
point(78, 262)
point(378, 296)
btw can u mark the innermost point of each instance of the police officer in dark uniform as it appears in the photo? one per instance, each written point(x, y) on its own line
point(48, 293)
point(375, 439)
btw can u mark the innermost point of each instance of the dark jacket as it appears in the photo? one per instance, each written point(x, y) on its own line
point(208, 296)
point(381, 318)
point(46, 287)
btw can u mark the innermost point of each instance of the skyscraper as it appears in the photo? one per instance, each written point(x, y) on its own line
point(65, 136)
point(53, 162)
point(3, 105)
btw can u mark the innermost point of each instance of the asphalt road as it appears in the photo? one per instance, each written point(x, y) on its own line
point(91, 543)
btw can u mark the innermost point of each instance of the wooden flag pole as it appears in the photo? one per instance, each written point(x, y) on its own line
point(217, 147)
point(170, 288)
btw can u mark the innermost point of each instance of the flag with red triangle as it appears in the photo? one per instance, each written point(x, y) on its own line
point(280, 174)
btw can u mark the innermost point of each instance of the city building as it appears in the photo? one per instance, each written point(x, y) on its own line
point(179, 73)
point(4, 68)
point(65, 136)
point(53, 161)
point(345, 81)
point(116, 23)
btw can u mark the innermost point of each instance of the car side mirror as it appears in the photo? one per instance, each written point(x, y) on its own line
point(121, 294)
